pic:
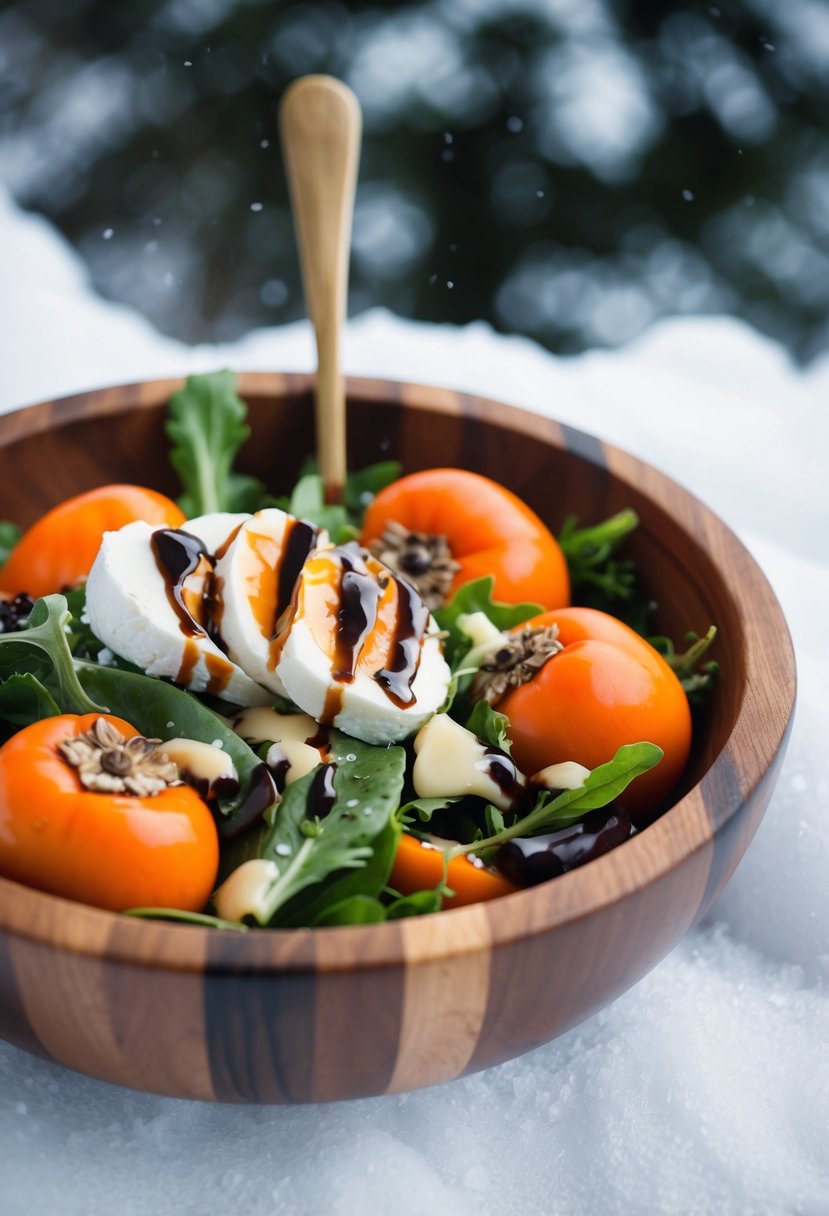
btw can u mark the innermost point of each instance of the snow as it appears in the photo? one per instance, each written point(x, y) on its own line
point(703, 1089)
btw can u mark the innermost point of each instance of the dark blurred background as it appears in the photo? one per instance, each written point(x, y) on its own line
point(567, 169)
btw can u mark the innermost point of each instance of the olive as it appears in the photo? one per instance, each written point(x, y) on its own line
point(528, 860)
point(15, 612)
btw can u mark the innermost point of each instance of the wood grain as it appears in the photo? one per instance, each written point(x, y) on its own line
point(279, 1016)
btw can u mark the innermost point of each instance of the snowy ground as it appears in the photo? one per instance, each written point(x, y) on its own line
point(703, 1090)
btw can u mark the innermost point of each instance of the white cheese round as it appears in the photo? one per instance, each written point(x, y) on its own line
point(359, 706)
point(249, 577)
point(130, 612)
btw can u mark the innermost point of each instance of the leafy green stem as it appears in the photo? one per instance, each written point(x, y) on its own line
point(696, 677)
point(42, 649)
point(601, 787)
point(589, 553)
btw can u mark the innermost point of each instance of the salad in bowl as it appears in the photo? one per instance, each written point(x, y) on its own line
point(247, 711)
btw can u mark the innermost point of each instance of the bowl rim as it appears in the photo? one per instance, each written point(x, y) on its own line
point(682, 831)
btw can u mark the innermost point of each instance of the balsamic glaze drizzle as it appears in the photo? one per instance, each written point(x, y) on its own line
point(279, 764)
point(177, 554)
point(322, 795)
point(359, 597)
point(412, 618)
point(501, 768)
point(261, 795)
point(297, 548)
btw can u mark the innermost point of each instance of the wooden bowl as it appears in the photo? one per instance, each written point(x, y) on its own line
point(313, 1015)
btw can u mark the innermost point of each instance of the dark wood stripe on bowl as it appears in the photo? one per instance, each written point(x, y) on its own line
point(286, 1017)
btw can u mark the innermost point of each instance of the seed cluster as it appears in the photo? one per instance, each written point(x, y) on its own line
point(422, 558)
point(515, 662)
point(108, 762)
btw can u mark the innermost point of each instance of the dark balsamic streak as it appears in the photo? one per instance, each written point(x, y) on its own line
point(322, 795)
point(320, 738)
point(261, 795)
point(213, 609)
point(279, 765)
point(410, 625)
point(177, 554)
point(501, 768)
point(301, 542)
point(359, 597)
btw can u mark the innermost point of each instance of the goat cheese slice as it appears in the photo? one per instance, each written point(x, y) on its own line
point(257, 579)
point(361, 652)
point(132, 611)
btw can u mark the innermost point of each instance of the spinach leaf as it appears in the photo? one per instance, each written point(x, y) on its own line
point(367, 881)
point(365, 484)
point(206, 422)
point(490, 725)
point(354, 910)
point(42, 650)
point(307, 502)
point(162, 711)
point(600, 787)
point(186, 918)
point(308, 849)
point(9, 536)
point(24, 699)
point(368, 909)
point(476, 596)
point(305, 851)
point(425, 808)
point(419, 903)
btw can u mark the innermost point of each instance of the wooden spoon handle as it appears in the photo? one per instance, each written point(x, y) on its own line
point(320, 127)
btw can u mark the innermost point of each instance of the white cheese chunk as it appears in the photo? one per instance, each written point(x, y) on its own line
point(130, 611)
point(243, 892)
point(451, 762)
point(250, 575)
point(216, 528)
point(362, 707)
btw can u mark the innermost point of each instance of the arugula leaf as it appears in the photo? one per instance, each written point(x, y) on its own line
point(24, 699)
point(162, 711)
point(9, 536)
point(307, 502)
point(488, 724)
point(601, 787)
point(589, 553)
point(476, 596)
point(495, 821)
point(42, 650)
point(696, 678)
point(425, 808)
point(206, 422)
point(307, 850)
point(361, 485)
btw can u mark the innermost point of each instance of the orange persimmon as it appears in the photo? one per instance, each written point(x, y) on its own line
point(489, 530)
point(605, 688)
point(418, 865)
point(59, 549)
point(114, 851)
